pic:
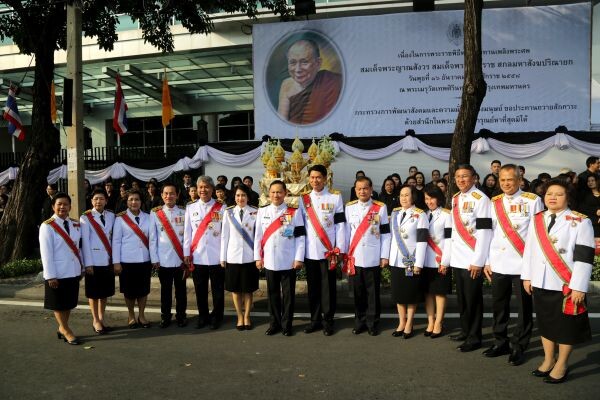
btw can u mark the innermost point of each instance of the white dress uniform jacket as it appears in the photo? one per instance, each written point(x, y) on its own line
point(440, 229)
point(281, 250)
point(329, 208)
point(234, 248)
point(161, 247)
point(94, 252)
point(520, 208)
point(127, 245)
point(474, 209)
point(375, 243)
point(58, 259)
point(574, 239)
point(209, 246)
point(414, 230)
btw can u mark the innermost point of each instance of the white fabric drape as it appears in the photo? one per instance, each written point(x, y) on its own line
point(408, 144)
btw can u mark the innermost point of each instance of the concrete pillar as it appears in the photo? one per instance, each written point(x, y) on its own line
point(213, 127)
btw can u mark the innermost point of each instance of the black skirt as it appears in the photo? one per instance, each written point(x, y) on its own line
point(134, 280)
point(406, 289)
point(436, 283)
point(101, 284)
point(64, 297)
point(241, 278)
point(556, 326)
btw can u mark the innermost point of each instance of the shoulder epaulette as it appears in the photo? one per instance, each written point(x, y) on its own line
point(417, 210)
point(529, 195)
point(379, 203)
point(252, 207)
point(455, 194)
point(447, 211)
point(476, 195)
point(265, 205)
point(291, 206)
point(121, 213)
point(351, 202)
point(230, 207)
point(87, 212)
point(498, 197)
point(334, 191)
point(74, 220)
point(307, 191)
point(155, 209)
point(190, 202)
point(49, 220)
point(397, 209)
point(580, 215)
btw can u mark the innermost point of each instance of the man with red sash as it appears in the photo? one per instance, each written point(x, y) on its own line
point(324, 218)
point(368, 242)
point(166, 255)
point(470, 242)
point(201, 250)
point(511, 212)
point(279, 249)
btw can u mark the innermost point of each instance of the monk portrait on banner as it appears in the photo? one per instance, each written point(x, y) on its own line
point(310, 93)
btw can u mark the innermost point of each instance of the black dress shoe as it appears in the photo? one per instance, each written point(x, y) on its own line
point(427, 333)
point(240, 327)
point(182, 322)
point(215, 325)
point(549, 379)
point(248, 327)
point(133, 325)
point(200, 324)
point(358, 331)
point(541, 374)
point(100, 331)
point(397, 333)
point(468, 347)
point(72, 342)
point(327, 331)
point(272, 330)
point(458, 337)
point(165, 323)
point(516, 358)
point(373, 332)
point(312, 328)
point(496, 351)
point(287, 332)
point(407, 335)
point(144, 325)
point(437, 335)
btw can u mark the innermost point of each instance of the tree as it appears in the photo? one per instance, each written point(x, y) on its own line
point(473, 93)
point(38, 28)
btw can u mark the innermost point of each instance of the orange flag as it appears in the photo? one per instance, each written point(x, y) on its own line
point(167, 106)
point(53, 116)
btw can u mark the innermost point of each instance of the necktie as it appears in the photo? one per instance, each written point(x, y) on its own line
point(137, 220)
point(402, 217)
point(102, 219)
point(66, 225)
point(430, 216)
point(552, 221)
point(241, 215)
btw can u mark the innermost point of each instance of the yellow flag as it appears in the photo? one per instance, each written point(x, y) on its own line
point(167, 106)
point(52, 103)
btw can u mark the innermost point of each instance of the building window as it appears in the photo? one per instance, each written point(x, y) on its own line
point(236, 126)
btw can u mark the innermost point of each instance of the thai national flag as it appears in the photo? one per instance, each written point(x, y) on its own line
point(11, 114)
point(120, 111)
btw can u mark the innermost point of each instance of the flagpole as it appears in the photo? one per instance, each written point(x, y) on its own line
point(13, 149)
point(119, 144)
point(165, 140)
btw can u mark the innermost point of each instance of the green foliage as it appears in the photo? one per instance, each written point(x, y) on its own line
point(596, 269)
point(20, 267)
point(386, 276)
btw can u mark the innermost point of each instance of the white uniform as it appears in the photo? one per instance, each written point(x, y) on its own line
point(440, 229)
point(284, 246)
point(94, 252)
point(234, 249)
point(126, 244)
point(209, 246)
point(573, 236)
point(474, 209)
point(375, 243)
point(161, 247)
point(329, 208)
point(58, 259)
point(413, 230)
point(520, 209)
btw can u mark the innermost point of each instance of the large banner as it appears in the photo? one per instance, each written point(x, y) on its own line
point(382, 75)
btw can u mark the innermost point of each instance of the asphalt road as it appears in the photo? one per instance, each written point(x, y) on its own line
point(176, 363)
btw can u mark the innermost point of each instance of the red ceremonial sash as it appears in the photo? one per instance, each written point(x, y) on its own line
point(321, 234)
point(164, 221)
point(204, 224)
point(435, 248)
point(100, 232)
point(136, 229)
point(511, 233)
point(349, 266)
point(558, 265)
point(63, 234)
point(272, 228)
point(460, 226)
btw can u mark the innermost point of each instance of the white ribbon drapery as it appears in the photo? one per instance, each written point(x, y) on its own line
point(408, 144)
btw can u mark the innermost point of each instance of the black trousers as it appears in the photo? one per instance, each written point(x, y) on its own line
point(169, 277)
point(321, 291)
point(502, 289)
point(201, 275)
point(469, 293)
point(281, 289)
point(367, 304)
